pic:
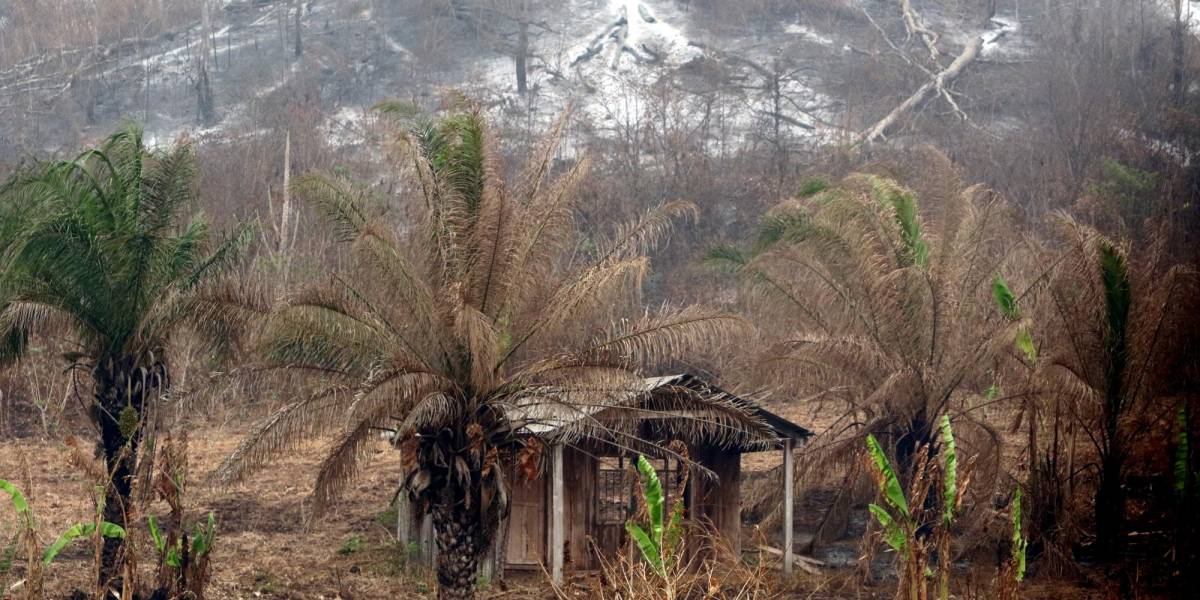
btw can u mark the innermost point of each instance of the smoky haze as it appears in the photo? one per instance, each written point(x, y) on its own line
point(1027, 92)
point(398, 227)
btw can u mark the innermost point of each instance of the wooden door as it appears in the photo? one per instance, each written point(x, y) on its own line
point(526, 546)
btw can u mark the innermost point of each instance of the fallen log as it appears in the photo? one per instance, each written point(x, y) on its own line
point(935, 85)
point(806, 563)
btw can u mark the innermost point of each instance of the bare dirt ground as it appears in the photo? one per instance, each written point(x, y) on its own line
point(269, 546)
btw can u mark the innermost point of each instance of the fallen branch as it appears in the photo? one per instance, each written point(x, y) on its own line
point(936, 85)
point(786, 119)
point(912, 22)
point(806, 563)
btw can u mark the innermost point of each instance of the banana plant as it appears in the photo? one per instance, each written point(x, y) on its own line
point(202, 542)
point(24, 529)
point(950, 500)
point(19, 503)
point(657, 545)
point(84, 531)
point(78, 531)
point(1019, 542)
point(900, 523)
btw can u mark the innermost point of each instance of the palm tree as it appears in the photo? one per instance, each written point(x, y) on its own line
point(481, 299)
point(1117, 322)
point(102, 253)
point(883, 310)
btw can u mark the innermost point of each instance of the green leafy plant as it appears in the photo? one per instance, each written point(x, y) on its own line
point(1131, 192)
point(23, 536)
point(81, 531)
point(26, 536)
point(900, 528)
point(183, 563)
point(902, 516)
point(1019, 542)
point(1007, 303)
point(659, 540)
point(352, 544)
point(104, 253)
point(1187, 492)
point(1009, 582)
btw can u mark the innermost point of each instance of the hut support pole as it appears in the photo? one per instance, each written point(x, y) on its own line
point(788, 493)
point(428, 545)
point(403, 519)
point(556, 514)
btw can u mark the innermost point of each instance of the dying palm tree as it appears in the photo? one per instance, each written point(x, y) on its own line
point(882, 310)
point(1117, 321)
point(100, 250)
point(481, 313)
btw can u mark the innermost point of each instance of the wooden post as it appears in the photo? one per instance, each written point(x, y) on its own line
point(788, 483)
point(428, 544)
point(403, 520)
point(487, 566)
point(556, 514)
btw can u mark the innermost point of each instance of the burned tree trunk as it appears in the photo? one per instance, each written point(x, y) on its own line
point(1178, 47)
point(522, 55)
point(122, 388)
point(205, 105)
point(459, 527)
point(298, 47)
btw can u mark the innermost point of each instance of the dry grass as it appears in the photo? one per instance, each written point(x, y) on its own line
point(264, 548)
point(714, 574)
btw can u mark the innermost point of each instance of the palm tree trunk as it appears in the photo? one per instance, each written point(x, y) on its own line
point(120, 393)
point(459, 526)
point(1110, 507)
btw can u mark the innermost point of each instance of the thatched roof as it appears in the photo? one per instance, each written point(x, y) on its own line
point(654, 409)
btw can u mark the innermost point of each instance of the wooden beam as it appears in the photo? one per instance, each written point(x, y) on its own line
point(788, 483)
point(557, 512)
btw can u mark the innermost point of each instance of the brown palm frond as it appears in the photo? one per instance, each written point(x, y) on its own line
point(341, 462)
point(477, 334)
point(288, 428)
point(672, 332)
point(493, 246)
point(536, 171)
point(31, 316)
point(643, 235)
point(543, 236)
point(599, 286)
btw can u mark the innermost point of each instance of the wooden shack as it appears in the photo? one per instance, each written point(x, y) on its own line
point(578, 506)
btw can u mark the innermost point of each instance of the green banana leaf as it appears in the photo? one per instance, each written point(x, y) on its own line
point(647, 546)
point(892, 533)
point(80, 530)
point(20, 504)
point(891, 484)
point(652, 490)
point(950, 489)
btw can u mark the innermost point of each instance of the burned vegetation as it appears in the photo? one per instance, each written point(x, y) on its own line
point(613, 299)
